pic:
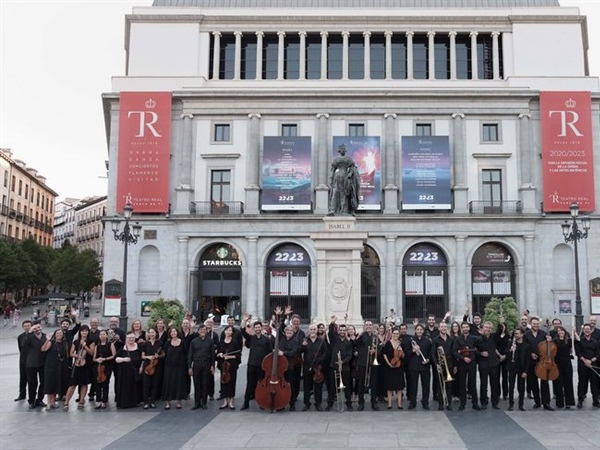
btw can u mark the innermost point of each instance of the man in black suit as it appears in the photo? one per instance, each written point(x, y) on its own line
point(26, 325)
point(34, 364)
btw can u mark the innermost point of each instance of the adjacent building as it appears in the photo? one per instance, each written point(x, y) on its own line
point(474, 126)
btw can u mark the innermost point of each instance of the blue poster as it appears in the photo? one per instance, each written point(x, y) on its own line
point(365, 152)
point(286, 173)
point(426, 173)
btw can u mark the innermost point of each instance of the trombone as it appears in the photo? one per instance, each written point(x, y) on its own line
point(443, 371)
point(371, 363)
point(339, 383)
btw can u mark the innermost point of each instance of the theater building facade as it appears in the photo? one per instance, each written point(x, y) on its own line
point(473, 129)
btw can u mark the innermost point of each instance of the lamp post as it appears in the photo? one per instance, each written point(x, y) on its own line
point(129, 235)
point(574, 234)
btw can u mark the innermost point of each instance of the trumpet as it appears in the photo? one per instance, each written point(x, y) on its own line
point(417, 349)
point(339, 383)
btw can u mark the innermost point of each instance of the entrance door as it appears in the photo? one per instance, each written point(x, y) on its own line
point(493, 275)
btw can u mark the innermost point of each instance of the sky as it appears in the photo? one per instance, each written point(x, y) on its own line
point(56, 60)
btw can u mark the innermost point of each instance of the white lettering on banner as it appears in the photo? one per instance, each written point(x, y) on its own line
point(564, 123)
point(221, 263)
point(143, 122)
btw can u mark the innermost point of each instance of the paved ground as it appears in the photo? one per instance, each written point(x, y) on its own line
point(21, 428)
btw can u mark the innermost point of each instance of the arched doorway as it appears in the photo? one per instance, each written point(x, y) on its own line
point(288, 280)
point(370, 292)
point(219, 283)
point(425, 282)
point(493, 275)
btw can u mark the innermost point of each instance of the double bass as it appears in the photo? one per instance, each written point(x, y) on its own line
point(273, 391)
point(546, 369)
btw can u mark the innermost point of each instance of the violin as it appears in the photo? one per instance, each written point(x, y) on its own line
point(318, 376)
point(101, 375)
point(397, 358)
point(546, 369)
point(150, 368)
point(226, 372)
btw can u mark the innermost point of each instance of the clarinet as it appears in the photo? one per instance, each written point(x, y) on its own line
point(513, 348)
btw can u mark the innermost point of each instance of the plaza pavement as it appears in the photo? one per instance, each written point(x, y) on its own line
point(21, 428)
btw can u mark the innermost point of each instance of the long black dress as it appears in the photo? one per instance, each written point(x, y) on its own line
point(129, 380)
point(563, 385)
point(175, 371)
point(82, 375)
point(56, 368)
point(228, 390)
point(393, 377)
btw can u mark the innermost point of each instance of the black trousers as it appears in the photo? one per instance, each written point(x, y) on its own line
point(333, 385)
point(253, 375)
point(102, 388)
point(425, 376)
point(513, 376)
point(362, 374)
point(434, 382)
point(538, 386)
point(36, 390)
point(22, 379)
point(503, 375)
point(201, 372)
point(311, 386)
point(289, 377)
point(586, 377)
point(491, 374)
point(447, 386)
point(150, 387)
point(563, 385)
point(467, 379)
point(296, 383)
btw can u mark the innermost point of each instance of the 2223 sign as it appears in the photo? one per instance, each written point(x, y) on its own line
point(423, 256)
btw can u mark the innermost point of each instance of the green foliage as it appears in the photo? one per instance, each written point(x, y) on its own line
point(509, 311)
point(168, 310)
point(16, 267)
point(75, 271)
point(42, 258)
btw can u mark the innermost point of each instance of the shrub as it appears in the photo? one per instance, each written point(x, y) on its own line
point(509, 311)
point(168, 310)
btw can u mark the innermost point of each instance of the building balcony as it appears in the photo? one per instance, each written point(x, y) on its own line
point(216, 208)
point(504, 207)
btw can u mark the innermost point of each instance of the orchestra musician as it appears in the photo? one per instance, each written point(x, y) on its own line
point(104, 354)
point(383, 335)
point(314, 350)
point(138, 331)
point(367, 351)
point(260, 346)
point(82, 352)
point(502, 338)
point(563, 385)
point(419, 361)
point(187, 335)
point(489, 364)
point(152, 353)
point(56, 369)
point(534, 337)
point(394, 352)
point(215, 338)
point(464, 353)
point(341, 347)
point(351, 335)
point(229, 357)
point(518, 367)
point(201, 364)
point(445, 341)
point(128, 378)
point(175, 377)
point(288, 347)
point(587, 350)
point(298, 335)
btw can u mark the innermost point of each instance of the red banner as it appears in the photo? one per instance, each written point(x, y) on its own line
point(144, 149)
point(567, 150)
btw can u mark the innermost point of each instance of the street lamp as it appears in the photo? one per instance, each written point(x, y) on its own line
point(129, 235)
point(574, 234)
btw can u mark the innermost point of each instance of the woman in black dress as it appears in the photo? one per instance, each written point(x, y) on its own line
point(152, 355)
point(175, 370)
point(82, 352)
point(138, 331)
point(563, 385)
point(104, 355)
point(229, 356)
point(56, 367)
point(393, 371)
point(161, 331)
point(129, 378)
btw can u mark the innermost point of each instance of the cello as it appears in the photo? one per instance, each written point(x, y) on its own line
point(273, 391)
point(546, 369)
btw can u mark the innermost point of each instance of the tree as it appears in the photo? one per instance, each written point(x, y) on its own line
point(168, 310)
point(16, 268)
point(75, 271)
point(42, 258)
point(509, 312)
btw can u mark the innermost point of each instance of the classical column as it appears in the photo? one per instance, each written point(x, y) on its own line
point(345, 36)
point(253, 165)
point(496, 55)
point(323, 159)
point(302, 62)
point(183, 186)
point(367, 44)
point(216, 54)
point(238, 55)
point(390, 189)
point(461, 275)
point(531, 300)
point(280, 54)
point(252, 278)
point(324, 35)
point(259, 54)
point(526, 153)
point(182, 271)
point(452, 36)
point(474, 64)
point(409, 55)
point(431, 54)
point(388, 55)
point(390, 274)
point(459, 163)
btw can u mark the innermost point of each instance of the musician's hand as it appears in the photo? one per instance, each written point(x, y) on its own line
point(245, 317)
point(278, 311)
point(524, 375)
point(549, 338)
point(288, 310)
point(333, 319)
point(448, 314)
point(212, 369)
point(304, 342)
point(454, 370)
point(280, 353)
point(425, 362)
point(190, 372)
point(587, 362)
point(485, 354)
point(467, 360)
point(415, 322)
point(534, 356)
point(219, 355)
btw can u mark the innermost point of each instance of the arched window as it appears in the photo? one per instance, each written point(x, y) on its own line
point(493, 275)
point(370, 285)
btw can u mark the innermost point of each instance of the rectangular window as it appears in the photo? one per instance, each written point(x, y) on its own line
point(442, 57)
point(356, 129)
point(377, 57)
point(334, 57)
point(489, 132)
point(399, 57)
point(291, 57)
point(463, 57)
point(492, 191)
point(222, 132)
point(423, 129)
point(485, 60)
point(420, 57)
point(356, 57)
point(26, 191)
point(13, 183)
point(289, 129)
point(248, 58)
point(227, 57)
point(313, 57)
point(270, 53)
point(20, 187)
point(220, 187)
point(6, 178)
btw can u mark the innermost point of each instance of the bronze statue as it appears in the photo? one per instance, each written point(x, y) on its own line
point(344, 185)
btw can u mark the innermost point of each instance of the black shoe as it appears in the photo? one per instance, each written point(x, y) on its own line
point(292, 408)
point(461, 408)
point(476, 407)
point(579, 405)
point(211, 399)
point(548, 408)
point(223, 406)
point(40, 403)
point(19, 398)
point(511, 407)
point(412, 406)
point(196, 406)
point(361, 407)
point(305, 408)
point(484, 406)
point(596, 405)
point(32, 406)
point(318, 408)
point(495, 406)
point(328, 408)
point(374, 407)
point(521, 408)
point(426, 406)
point(204, 406)
point(152, 406)
point(536, 406)
point(244, 406)
point(349, 408)
point(440, 407)
point(146, 406)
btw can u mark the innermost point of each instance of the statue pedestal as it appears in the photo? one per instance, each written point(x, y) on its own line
point(339, 263)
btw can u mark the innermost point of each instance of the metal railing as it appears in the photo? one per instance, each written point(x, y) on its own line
point(216, 208)
point(504, 207)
